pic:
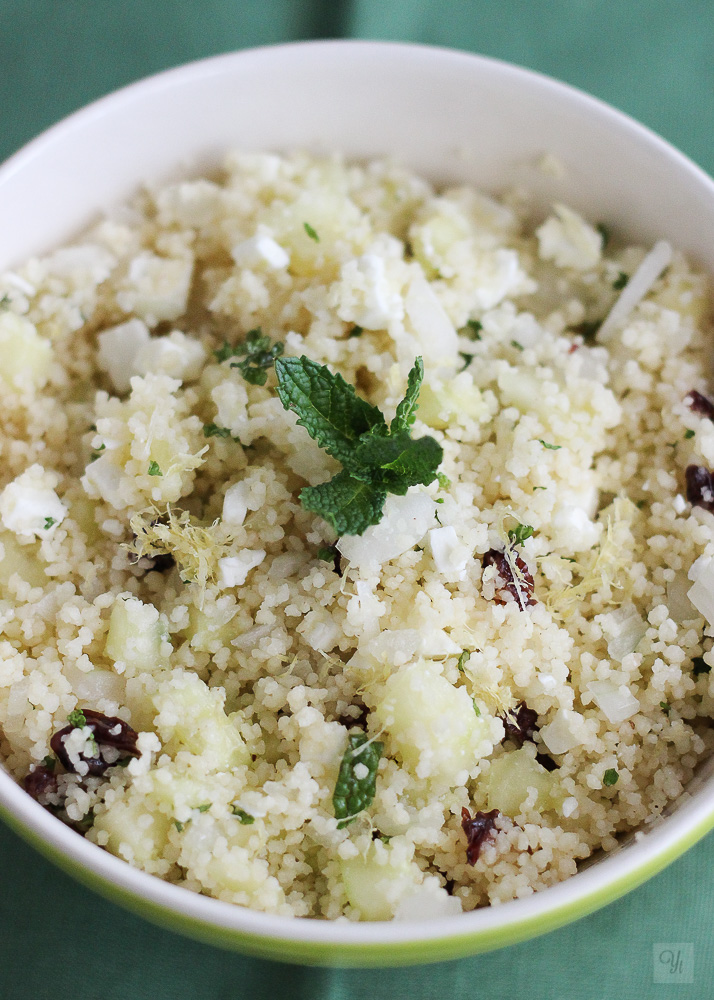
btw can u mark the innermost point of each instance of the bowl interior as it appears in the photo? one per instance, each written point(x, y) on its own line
point(455, 118)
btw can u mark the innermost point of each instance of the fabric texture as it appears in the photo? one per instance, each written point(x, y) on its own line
point(651, 60)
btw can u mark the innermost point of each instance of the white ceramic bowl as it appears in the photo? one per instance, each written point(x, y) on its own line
point(452, 117)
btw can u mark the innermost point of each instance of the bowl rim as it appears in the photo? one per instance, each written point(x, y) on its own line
point(309, 940)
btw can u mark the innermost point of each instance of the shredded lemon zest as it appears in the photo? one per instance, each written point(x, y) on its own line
point(604, 570)
point(195, 548)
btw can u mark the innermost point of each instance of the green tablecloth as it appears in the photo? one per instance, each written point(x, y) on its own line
point(650, 59)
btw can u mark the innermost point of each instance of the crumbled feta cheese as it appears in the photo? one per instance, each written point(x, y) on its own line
point(404, 523)
point(260, 249)
point(235, 503)
point(616, 702)
point(26, 356)
point(176, 355)
point(381, 303)
point(449, 553)
point(565, 732)
point(233, 570)
point(156, 288)
point(701, 593)
point(85, 264)
point(119, 347)
point(29, 504)
point(568, 240)
point(572, 528)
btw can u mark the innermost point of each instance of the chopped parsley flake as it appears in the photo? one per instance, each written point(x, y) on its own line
point(610, 777)
point(477, 710)
point(311, 232)
point(689, 434)
point(154, 469)
point(355, 790)
point(5, 302)
point(468, 358)
point(77, 719)
point(245, 818)
point(463, 659)
point(550, 447)
point(472, 329)
point(204, 808)
point(604, 232)
point(376, 459)
point(666, 707)
point(620, 281)
point(49, 762)
point(258, 356)
point(519, 347)
point(356, 331)
point(518, 535)
point(539, 488)
point(179, 825)
point(443, 481)
point(213, 430)
point(49, 522)
point(700, 666)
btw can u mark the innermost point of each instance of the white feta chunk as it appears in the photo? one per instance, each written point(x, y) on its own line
point(156, 288)
point(29, 504)
point(404, 523)
point(701, 593)
point(565, 732)
point(449, 553)
point(233, 570)
point(260, 249)
point(176, 355)
point(573, 529)
point(119, 347)
point(568, 240)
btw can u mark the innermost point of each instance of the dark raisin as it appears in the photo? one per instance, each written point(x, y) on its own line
point(124, 739)
point(700, 486)
point(478, 829)
point(700, 404)
point(522, 590)
point(520, 724)
point(546, 761)
point(40, 783)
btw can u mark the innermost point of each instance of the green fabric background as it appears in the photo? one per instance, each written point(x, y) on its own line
point(649, 58)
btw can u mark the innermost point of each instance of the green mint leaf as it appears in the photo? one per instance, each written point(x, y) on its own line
point(204, 808)
point(311, 232)
point(356, 331)
point(245, 818)
point(348, 504)
point(519, 534)
point(154, 469)
point(406, 411)
point(666, 707)
point(179, 825)
point(689, 434)
point(518, 347)
point(327, 407)
point(444, 481)
point(610, 777)
point(354, 792)
point(468, 358)
point(550, 447)
point(77, 719)
point(620, 281)
point(213, 430)
point(396, 462)
point(49, 521)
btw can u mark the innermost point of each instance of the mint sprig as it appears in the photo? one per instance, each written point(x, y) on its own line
point(376, 459)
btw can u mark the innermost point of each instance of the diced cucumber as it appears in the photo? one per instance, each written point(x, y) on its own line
point(510, 777)
point(25, 354)
point(432, 723)
point(375, 883)
point(135, 832)
point(136, 637)
point(21, 559)
point(191, 717)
